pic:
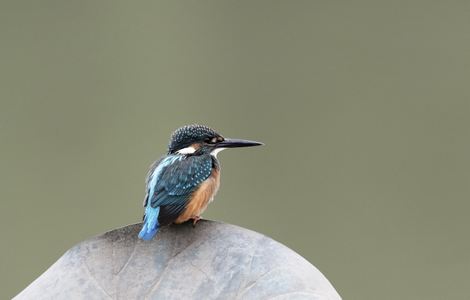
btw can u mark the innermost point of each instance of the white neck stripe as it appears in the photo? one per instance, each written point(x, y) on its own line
point(216, 150)
point(187, 150)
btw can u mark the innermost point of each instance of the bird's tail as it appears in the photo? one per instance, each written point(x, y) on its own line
point(150, 225)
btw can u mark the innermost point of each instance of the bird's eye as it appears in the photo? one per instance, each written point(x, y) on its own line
point(211, 140)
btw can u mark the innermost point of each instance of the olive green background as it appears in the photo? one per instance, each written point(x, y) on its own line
point(363, 107)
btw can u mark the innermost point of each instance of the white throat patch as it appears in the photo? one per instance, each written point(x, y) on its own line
point(217, 150)
point(187, 150)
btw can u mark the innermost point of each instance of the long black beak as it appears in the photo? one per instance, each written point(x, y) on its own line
point(236, 143)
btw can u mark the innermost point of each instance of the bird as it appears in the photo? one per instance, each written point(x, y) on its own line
point(181, 184)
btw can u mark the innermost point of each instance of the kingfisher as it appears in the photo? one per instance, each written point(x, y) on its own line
point(181, 184)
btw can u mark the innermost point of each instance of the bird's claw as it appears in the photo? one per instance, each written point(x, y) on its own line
point(195, 220)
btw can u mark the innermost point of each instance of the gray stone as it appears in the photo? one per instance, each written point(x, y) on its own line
point(212, 261)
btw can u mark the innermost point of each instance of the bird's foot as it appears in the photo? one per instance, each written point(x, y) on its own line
point(195, 220)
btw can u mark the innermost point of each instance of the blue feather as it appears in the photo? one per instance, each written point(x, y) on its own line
point(150, 227)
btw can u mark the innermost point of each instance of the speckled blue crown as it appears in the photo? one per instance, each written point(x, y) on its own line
point(189, 134)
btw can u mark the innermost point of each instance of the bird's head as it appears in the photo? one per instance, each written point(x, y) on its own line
point(199, 139)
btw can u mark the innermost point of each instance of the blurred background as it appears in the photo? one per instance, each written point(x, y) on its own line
point(363, 107)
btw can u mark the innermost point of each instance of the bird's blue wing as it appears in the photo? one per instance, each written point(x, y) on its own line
point(183, 176)
point(177, 183)
point(171, 183)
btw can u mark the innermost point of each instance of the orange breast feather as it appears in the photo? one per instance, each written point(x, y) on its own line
point(201, 198)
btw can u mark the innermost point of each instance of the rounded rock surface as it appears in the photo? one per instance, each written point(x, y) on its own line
point(212, 261)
